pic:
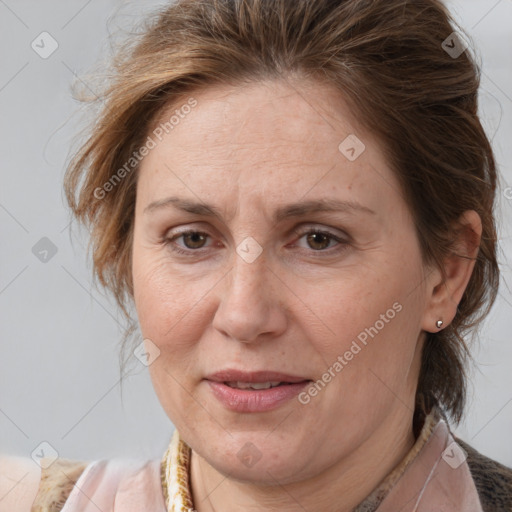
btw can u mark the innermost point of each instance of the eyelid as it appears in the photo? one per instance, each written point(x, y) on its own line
point(186, 229)
point(301, 230)
point(338, 235)
point(170, 237)
point(342, 241)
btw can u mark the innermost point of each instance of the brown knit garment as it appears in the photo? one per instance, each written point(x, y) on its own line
point(57, 482)
point(493, 480)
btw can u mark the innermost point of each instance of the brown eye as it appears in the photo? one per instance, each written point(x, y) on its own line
point(194, 239)
point(318, 241)
point(192, 242)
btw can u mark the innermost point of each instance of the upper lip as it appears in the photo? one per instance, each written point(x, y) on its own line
point(259, 376)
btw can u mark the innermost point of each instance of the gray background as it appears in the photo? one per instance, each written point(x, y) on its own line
point(59, 375)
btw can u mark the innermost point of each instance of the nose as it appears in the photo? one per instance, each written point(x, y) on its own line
point(250, 308)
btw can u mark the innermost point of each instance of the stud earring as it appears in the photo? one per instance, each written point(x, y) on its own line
point(439, 324)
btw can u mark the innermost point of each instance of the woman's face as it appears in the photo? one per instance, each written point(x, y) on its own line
point(254, 296)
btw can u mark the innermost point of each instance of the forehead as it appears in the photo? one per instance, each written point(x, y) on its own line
point(261, 112)
point(276, 137)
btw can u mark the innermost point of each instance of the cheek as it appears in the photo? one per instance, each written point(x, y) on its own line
point(161, 299)
point(351, 303)
point(168, 314)
point(372, 318)
point(173, 309)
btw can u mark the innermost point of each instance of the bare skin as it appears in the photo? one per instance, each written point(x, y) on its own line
point(297, 307)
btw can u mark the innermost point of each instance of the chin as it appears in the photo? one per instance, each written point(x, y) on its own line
point(255, 458)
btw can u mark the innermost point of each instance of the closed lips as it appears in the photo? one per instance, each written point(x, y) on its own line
point(256, 380)
point(254, 392)
point(254, 385)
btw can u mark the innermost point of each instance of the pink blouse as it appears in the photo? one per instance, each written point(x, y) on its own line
point(434, 476)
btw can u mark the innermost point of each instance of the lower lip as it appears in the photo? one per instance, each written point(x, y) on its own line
point(255, 400)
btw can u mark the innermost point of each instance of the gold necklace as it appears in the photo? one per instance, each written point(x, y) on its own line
point(175, 474)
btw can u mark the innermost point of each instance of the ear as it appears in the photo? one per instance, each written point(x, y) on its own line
point(444, 295)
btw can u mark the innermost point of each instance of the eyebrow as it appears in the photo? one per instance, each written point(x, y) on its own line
point(298, 209)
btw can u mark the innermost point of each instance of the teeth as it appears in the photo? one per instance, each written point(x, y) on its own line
point(252, 385)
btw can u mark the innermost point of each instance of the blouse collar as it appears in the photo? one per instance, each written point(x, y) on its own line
point(434, 471)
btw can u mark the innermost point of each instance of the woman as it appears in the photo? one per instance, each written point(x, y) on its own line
point(298, 199)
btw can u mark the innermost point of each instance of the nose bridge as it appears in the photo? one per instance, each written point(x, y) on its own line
point(248, 307)
point(248, 275)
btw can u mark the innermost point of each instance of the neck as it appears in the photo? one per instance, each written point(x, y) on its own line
point(339, 488)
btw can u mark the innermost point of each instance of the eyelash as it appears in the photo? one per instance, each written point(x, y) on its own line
point(301, 233)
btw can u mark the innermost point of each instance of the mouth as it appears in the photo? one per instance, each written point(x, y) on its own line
point(261, 391)
point(254, 385)
point(258, 377)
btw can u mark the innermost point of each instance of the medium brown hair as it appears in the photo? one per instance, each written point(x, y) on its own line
point(387, 59)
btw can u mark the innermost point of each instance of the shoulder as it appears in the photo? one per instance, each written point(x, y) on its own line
point(57, 482)
point(27, 487)
point(19, 482)
point(493, 480)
